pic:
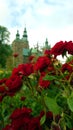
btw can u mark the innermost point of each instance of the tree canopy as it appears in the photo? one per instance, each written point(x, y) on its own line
point(5, 48)
point(4, 35)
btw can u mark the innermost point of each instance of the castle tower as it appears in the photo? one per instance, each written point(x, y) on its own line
point(25, 37)
point(20, 48)
point(46, 44)
point(18, 35)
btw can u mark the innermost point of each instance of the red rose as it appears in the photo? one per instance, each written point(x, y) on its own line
point(20, 112)
point(15, 72)
point(51, 69)
point(59, 48)
point(47, 52)
point(13, 84)
point(67, 67)
point(2, 89)
point(8, 127)
point(21, 118)
point(34, 124)
point(31, 58)
point(43, 83)
point(49, 115)
point(21, 123)
point(3, 81)
point(69, 47)
point(41, 63)
point(22, 98)
point(25, 69)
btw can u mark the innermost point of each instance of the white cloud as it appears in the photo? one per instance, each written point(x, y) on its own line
point(4, 12)
point(43, 18)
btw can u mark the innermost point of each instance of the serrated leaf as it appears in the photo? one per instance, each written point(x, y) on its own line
point(52, 105)
point(43, 120)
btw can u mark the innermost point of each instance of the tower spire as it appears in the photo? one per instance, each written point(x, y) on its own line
point(17, 35)
point(25, 35)
point(46, 44)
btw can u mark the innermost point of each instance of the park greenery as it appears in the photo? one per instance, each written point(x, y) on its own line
point(39, 95)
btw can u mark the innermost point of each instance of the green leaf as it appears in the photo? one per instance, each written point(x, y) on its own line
point(70, 102)
point(52, 105)
point(43, 120)
point(49, 77)
point(68, 122)
point(57, 82)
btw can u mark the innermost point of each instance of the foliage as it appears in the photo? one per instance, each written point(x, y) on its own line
point(39, 94)
point(4, 35)
point(5, 48)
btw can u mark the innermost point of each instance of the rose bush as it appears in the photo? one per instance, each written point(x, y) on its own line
point(39, 95)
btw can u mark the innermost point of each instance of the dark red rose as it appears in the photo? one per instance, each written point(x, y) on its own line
point(3, 81)
point(13, 84)
point(15, 72)
point(49, 115)
point(43, 83)
point(35, 124)
point(20, 112)
point(21, 123)
point(41, 63)
point(25, 69)
point(22, 98)
point(59, 48)
point(47, 52)
point(2, 89)
point(67, 67)
point(69, 47)
point(8, 127)
point(20, 118)
point(51, 70)
point(31, 58)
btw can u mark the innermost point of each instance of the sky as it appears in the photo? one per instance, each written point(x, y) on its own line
point(51, 19)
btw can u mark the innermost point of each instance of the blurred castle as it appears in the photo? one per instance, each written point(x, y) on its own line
point(21, 50)
point(20, 47)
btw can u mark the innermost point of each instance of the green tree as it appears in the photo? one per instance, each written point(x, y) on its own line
point(5, 48)
point(4, 35)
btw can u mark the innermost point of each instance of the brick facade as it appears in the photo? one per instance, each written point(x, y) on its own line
point(17, 46)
